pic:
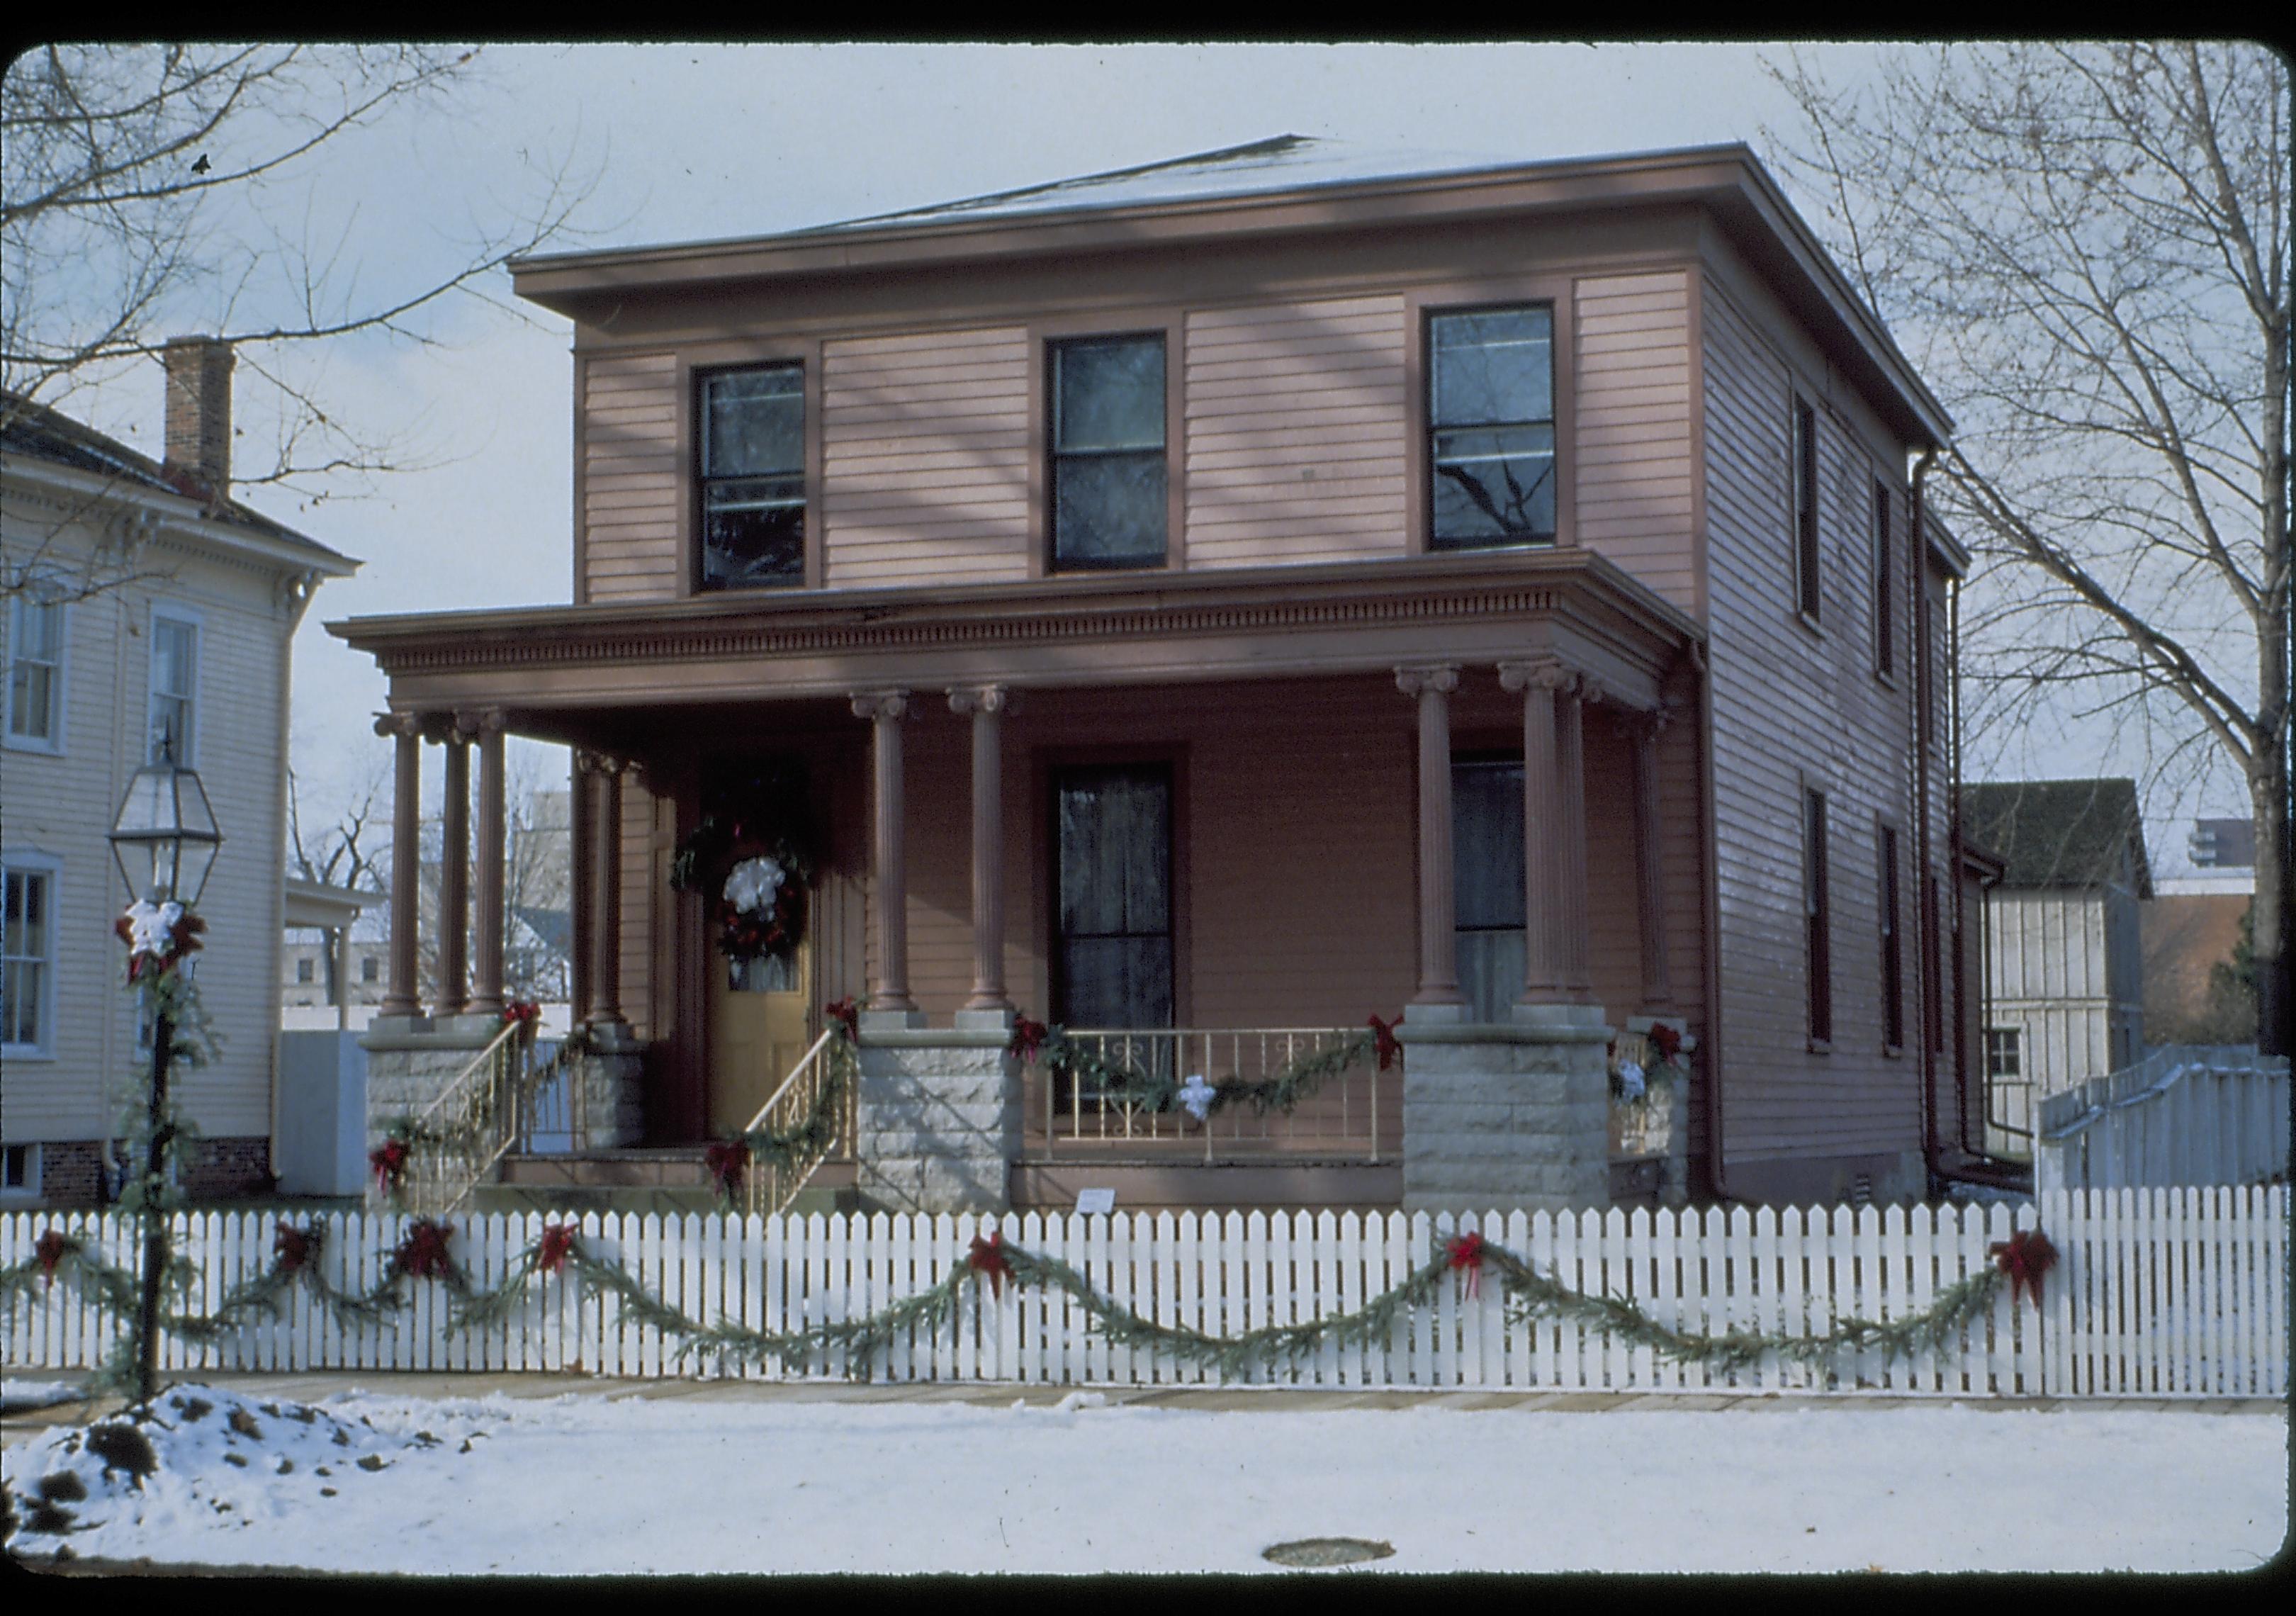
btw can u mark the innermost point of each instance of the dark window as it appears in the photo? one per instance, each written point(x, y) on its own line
point(1108, 452)
point(1114, 885)
point(369, 969)
point(2005, 1055)
point(1490, 418)
point(753, 478)
point(1805, 506)
point(306, 971)
point(1817, 931)
point(1885, 629)
point(1486, 883)
point(28, 954)
point(1893, 953)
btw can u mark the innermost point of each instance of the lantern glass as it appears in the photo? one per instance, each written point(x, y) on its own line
point(165, 837)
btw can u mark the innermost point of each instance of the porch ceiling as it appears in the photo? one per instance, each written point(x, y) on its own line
point(559, 669)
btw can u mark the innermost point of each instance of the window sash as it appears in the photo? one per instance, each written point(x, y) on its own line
point(1491, 426)
point(751, 475)
point(1817, 918)
point(173, 712)
point(26, 956)
point(1110, 464)
point(1805, 498)
point(36, 655)
point(1885, 628)
point(1893, 952)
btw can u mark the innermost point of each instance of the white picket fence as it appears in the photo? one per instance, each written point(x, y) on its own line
point(2183, 1114)
point(2157, 1294)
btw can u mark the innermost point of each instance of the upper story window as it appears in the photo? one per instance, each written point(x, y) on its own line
point(1490, 422)
point(1805, 507)
point(1885, 629)
point(35, 673)
point(28, 958)
point(1109, 502)
point(173, 715)
point(753, 478)
point(1818, 921)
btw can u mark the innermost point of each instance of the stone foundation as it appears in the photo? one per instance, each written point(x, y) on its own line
point(611, 1075)
point(1507, 1115)
point(938, 1115)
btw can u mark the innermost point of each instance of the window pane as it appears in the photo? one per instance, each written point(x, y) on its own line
point(1494, 486)
point(1108, 395)
point(30, 698)
point(753, 532)
point(24, 948)
point(1109, 507)
point(1117, 981)
point(756, 422)
point(1492, 366)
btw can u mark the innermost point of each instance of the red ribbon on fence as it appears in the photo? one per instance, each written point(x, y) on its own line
point(388, 1161)
point(988, 1257)
point(728, 1160)
point(1390, 1046)
point(51, 1249)
point(423, 1251)
point(556, 1247)
point(1467, 1252)
point(290, 1248)
point(2025, 1257)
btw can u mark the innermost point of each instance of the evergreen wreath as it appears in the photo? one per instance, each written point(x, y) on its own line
point(754, 853)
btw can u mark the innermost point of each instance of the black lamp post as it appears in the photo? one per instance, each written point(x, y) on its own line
point(164, 839)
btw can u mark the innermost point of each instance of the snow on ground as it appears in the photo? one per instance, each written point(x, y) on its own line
point(616, 1484)
point(15, 1394)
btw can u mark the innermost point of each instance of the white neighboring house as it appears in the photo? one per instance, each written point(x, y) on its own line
point(2064, 964)
point(140, 597)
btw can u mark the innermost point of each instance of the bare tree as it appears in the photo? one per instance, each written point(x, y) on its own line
point(2084, 249)
point(146, 191)
point(343, 854)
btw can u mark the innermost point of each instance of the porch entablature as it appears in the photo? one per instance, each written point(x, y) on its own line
point(1058, 633)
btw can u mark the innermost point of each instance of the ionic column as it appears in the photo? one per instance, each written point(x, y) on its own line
point(1642, 737)
point(987, 704)
point(1546, 687)
point(454, 876)
point(1438, 970)
point(605, 887)
point(486, 996)
point(1570, 869)
point(398, 996)
point(884, 710)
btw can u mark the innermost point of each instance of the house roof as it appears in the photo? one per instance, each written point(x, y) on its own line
point(34, 429)
point(1282, 184)
point(2059, 832)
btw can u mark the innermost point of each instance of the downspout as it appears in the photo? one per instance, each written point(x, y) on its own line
point(1710, 963)
point(1926, 678)
point(1960, 1042)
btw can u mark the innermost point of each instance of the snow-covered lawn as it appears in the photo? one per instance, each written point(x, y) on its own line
point(606, 1482)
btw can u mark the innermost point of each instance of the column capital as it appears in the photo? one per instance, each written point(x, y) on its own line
point(472, 723)
point(887, 704)
point(390, 725)
point(589, 761)
point(1547, 672)
point(1412, 678)
point(963, 699)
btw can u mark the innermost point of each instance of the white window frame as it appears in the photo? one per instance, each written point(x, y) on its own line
point(53, 745)
point(187, 749)
point(29, 863)
point(30, 1190)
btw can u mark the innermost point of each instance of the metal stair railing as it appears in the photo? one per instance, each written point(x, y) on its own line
point(471, 1125)
point(822, 1078)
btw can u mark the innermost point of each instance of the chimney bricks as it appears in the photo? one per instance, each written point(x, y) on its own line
point(198, 412)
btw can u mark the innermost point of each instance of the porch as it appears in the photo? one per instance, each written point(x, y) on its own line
point(1194, 826)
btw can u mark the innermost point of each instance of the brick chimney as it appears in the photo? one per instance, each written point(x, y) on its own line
point(199, 414)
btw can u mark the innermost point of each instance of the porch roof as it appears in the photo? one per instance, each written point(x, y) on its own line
point(542, 666)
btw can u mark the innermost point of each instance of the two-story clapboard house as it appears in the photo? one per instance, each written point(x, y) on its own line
point(1253, 592)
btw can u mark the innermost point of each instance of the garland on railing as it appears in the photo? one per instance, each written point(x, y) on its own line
point(2021, 1261)
point(729, 1159)
point(1033, 1043)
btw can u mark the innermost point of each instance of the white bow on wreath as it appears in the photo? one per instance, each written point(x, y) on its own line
point(754, 885)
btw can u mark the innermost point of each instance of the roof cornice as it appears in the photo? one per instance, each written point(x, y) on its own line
point(184, 519)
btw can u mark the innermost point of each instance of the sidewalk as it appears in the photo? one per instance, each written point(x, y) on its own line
point(312, 1386)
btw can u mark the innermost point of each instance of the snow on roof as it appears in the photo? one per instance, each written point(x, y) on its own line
point(1283, 162)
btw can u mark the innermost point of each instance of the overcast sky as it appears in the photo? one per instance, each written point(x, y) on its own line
point(680, 142)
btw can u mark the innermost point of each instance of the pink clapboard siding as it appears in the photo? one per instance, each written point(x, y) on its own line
point(925, 447)
point(1635, 472)
point(630, 478)
point(1297, 432)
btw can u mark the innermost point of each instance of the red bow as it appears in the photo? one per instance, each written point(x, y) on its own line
point(1467, 1252)
point(1390, 1046)
point(988, 1256)
point(52, 1248)
point(1666, 1040)
point(2025, 1257)
point(388, 1161)
point(846, 1014)
point(557, 1245)
point(727, 1160)
point(423, 1251)
point(1028, 1037)
point(291, 1247)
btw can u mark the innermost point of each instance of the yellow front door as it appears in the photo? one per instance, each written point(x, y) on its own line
point(760, 1025)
